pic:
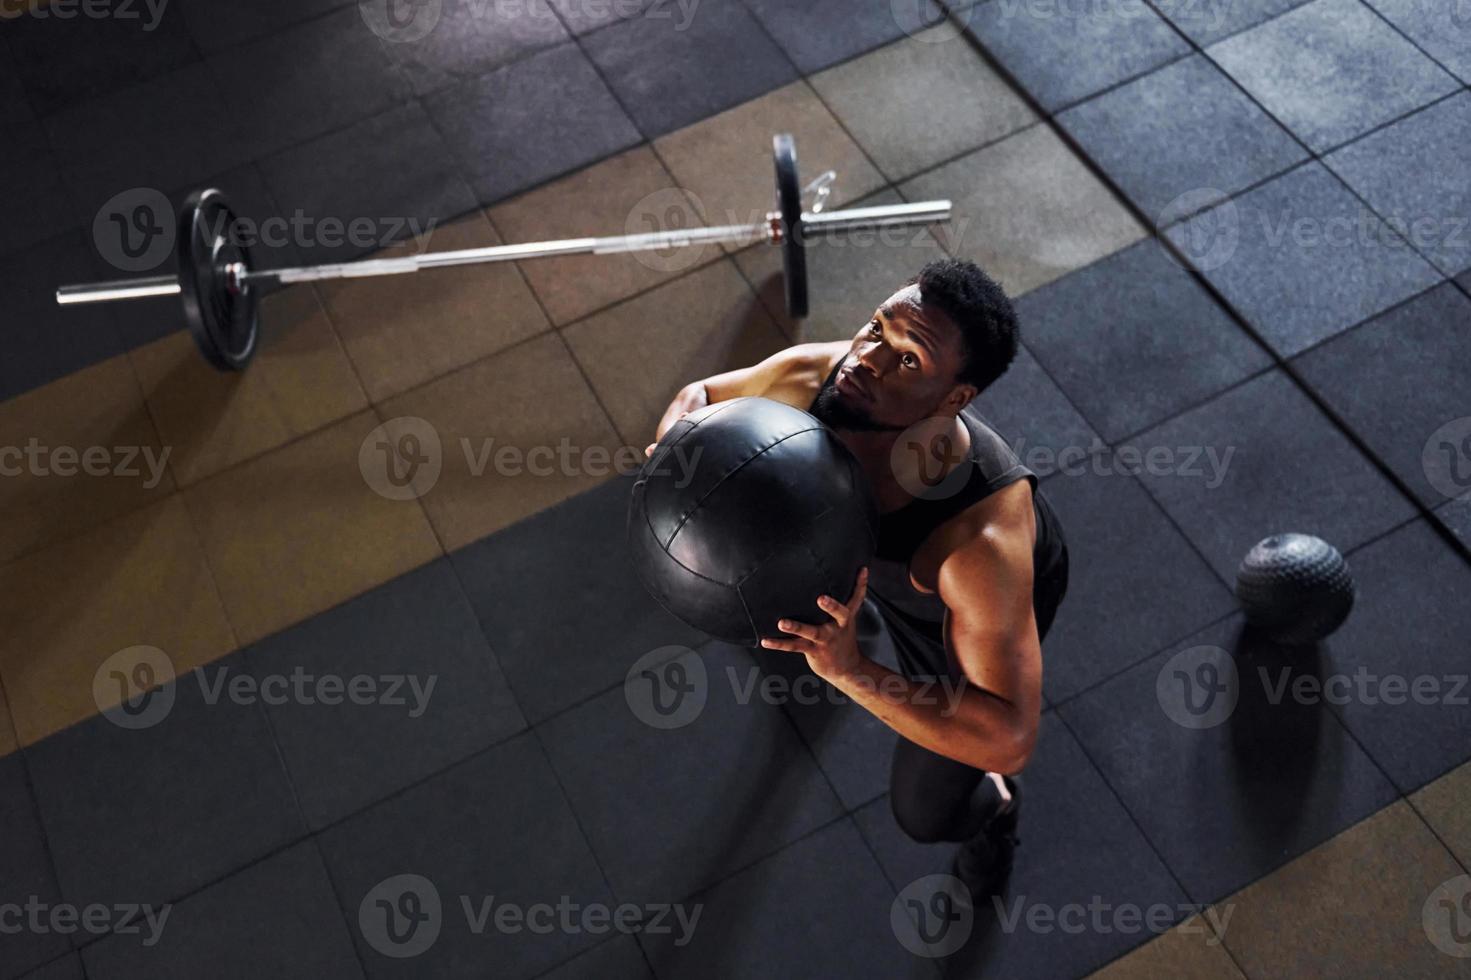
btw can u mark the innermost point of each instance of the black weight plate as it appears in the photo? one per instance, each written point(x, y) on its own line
point(793, 243)
point(225, 324)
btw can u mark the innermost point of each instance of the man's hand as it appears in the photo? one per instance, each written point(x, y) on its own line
point(832, 648)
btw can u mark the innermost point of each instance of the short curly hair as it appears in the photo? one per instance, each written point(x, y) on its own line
point(978, 305)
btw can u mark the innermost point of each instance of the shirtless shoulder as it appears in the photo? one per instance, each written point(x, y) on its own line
point(792, 376)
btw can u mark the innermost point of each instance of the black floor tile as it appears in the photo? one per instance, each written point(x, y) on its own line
point(27, 875)
point(820, 908)
point(1180, 138)
point(1134, 586)
point(1404, 649)
point(1457, 514)
point(1439, 28)
point(564, 611)
point(1280, 465)
point(616, 959)
point(204, 785)
point(1072, 51)
point(525, 123)
point(1400, 383)
point(471, 37)
point(1414, 174)
point(219, 24)
point(278, 919)
point(1331, 71)
point(308, 80)
point(1078, 846)
point(1226, 793)
point(14, 106)
point(1207, 21)
point(412, 633)
point(38, 207)
point(43, 341)
point(729, 784)
point(674, 70)
point(392, 170)
point(819, 34)
point(1134, 339)
point(1301, 258)
point(69, 967)
point(1032, 414)
point(61, 60)
point(496, 828)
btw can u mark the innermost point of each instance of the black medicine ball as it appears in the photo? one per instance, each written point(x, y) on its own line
point(747, 511)
point(1295, 587)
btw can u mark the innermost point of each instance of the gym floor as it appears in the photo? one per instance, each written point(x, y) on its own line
point(1305, 379)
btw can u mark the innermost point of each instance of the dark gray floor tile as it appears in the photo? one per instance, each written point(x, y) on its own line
point(1414, 174)
point(1135, 584)
point(1330, 71)
point(674, 70)
point(816, 35)
point(1181, 138)
point(470, 37)
point(1402, 655)
point(310, 79)
point(1133, 339)
point(69, 967)
point(205, 784)
point(616, 959)
point(1440, 28)
point(494, 829)
point(1078, 845)
point(726, 784)
point(586, 15)
point(1229, 792)
point(819, 908)
point(1062, 53)
point(412, 633)
point(43, 341)
point(561, 604)
point(15, 107)
point(525, 123)
point(1398, 381)
point(278, 918)
point(1457, 513)
point(392, 170)
point(28, 874)
point(1207, 21)
point(1033, 414)
point(40, 206)
point(62, 60)
point(1301, 258)
point(219, 24)
point(1278, 464)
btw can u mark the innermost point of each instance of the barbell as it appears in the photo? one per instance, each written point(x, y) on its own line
point(220, 288)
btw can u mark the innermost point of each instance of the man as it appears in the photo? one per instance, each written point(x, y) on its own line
point(970, 566)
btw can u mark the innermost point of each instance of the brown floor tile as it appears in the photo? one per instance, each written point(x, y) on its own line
point(1027, 210)
point(519, 415)
point(299, 530)
point(1446, 806)
point(848, 275)
point(725, 161)
point(628, 194)
point(1190, 951)
point(1351, 907)
point(402, 331)
point(640, 353)
point(97, 408)
point(894, 100)
point(300, 381)
point(140, 580)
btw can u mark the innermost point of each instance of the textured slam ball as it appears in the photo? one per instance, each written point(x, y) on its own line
point(1296, 588)
point(746, 513)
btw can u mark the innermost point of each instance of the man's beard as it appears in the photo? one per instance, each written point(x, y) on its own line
point(836, 412)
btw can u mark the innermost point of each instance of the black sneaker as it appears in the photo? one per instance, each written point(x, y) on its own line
point(983, 863)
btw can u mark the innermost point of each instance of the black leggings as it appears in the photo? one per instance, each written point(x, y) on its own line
point(931, 795)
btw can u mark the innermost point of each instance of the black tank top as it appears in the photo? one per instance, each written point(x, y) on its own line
point(916, 619)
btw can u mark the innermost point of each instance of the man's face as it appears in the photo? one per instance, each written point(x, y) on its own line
point(901, 369)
